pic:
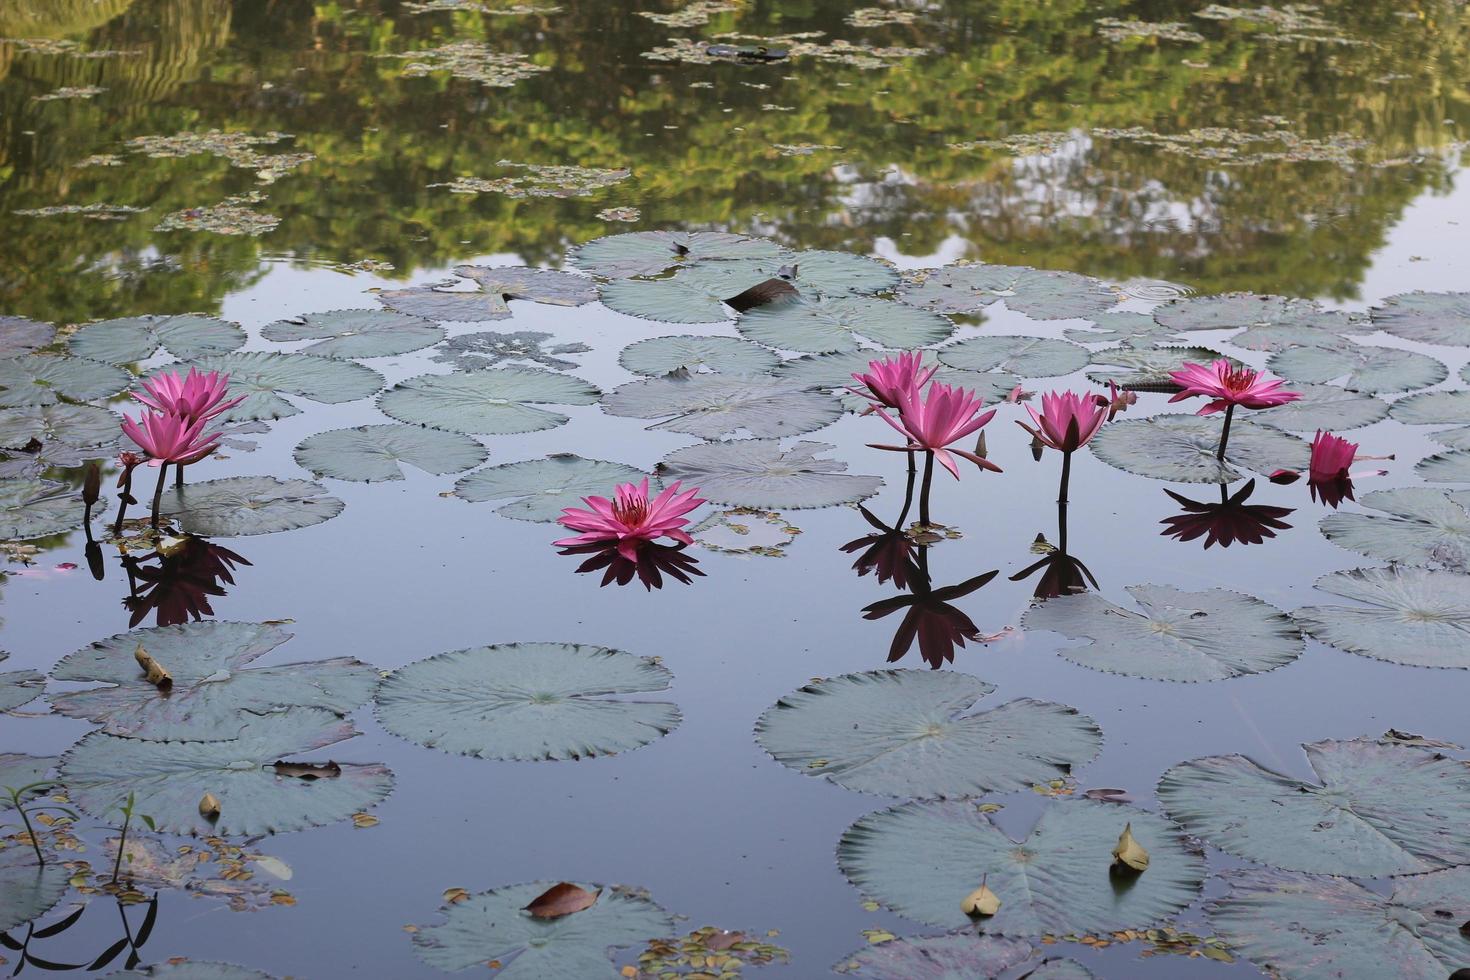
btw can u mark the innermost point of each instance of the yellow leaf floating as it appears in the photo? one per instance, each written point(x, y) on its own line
point(1129, 852)
point(208, 804)
point(154, 671)
point(981, 902)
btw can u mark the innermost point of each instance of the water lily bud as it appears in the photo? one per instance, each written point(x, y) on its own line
point(92, 484)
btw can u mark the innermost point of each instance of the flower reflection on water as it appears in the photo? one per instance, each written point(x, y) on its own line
point(1230, 521)
point(649, 563)
point(177, 581)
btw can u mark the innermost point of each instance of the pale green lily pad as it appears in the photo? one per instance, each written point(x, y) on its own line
point(1429, 318)
point(959, 288)
point(1179, 636)
point(1326, 407)
point(834, 373)
point(356, 333)
point(1301, 927)
point(18, 770)
point(373, 452)
point(1181, 448)
point(264, 377)
point(1059, 970)
point(19, 335)
point(921, 859)
point(1374, 370)
point(1450, 467)
point(1414, 616)
point(38, 379)
point(137, 338)
point(953, 956)
point(37, 508)
point(1142, 367)
point(714, 406)
point(1122, 327)
point(528, 702)
point(819, 326)
point(915, 733)
point(170, 778)
point(1053, 295)
point(1037, 293)
point(241, 505)
point(543, 488)
point(1414, 526)
point(1231, 311)
point(1453, 438)
point(18, 687)
point(649, 253)
point(493, 401)
point(27, 890)
point(498, 286)
point(215, 692)
point(82, 426)
point(759, 473)
point(1029, 357)
point(658, 356)
point(1381, 809)
point(182, 969)
point(494, 926)
point(1432, 408)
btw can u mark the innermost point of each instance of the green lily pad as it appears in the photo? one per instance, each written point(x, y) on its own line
point(18, 687)
point(528, 702)
point(356, 333)
point(1414, 526)
point(914, 733)
point(1374, 370)
point(1325, 407)
point(493, 401)
point(264, 377)
point(1450, 467)
point(543, 488)
point(18, 770)
point(921, 859)
point(181, 969)
point(497, 287)
point(1122, 327)
point(373, 452)
point(19, 335)
point(1458, 438)
point(1414, 616)
point(27, 890)
point(242, 505)
point(1142, 367)
point(714, 406)
point(1432, 408)
point(1230, 311)
point(1036, 293)
point(759, 473)
point(959, 288)
point(215, 692)
point(953, 956)
point(32, 508)
point(1429, 318)
point(72, 425)
point(649, 253)
point(37, 379)
point(494, 926)
point(658, 356)
point(1029, 357)
point(1179, 636)
point(1301, 927)
point(1380, 809)
point(824, 325)
point(834, 373)
point(137, 338)
point(170, 778)
point(1181, 448)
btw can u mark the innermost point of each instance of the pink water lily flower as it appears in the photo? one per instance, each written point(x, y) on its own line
point(630, 518)
point(942, 416)
point(1229, 386)
point(1116, 400)
point(168, 437)
point(1329, 472)
point(1067, 420)
point(890, 377)
point(194, 396)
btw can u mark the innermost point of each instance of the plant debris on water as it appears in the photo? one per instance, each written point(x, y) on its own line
point(473, 61)
point(538, 180)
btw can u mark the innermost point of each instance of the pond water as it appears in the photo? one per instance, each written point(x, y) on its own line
point(256, 164)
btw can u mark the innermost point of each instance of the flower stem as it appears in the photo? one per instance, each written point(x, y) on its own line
point(1066, 477)
point(123, 497)
point(30, 831)
point(908, 494)
point(158, 493)
point(1225, 432)
point(924, 490)
point(179, 475)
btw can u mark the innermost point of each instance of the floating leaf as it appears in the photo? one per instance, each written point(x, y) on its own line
point(18, 687)
point(823, 325)
point(1450, 467)
point(544, 487)
point(528, 702)
point(18, 770)
point(834, 373)
point(920, 859)
point(495, 401)
point(214, 691)
point(36, 379)
point(37, 508)
point(356, 333)
point(959, 288)
point(1272, 320)
point(1414, 526)
point(1429, 318)
point(1129, 853)
point(1029, 357)
point(263, 377)
point(658, 356)
point(1326, 407)
point(170, 778)
point(563, 898)
point(1381, 809)
point(240, 505)
point(1179, 636)
point(486, 348)
point(1140, 367)
point(72, 425)
point(491, 301)
point(759, 473)
point(137, 338)
point(1182, 448)
point(914, 733)
point(27, 889)
point(1370, 369)
point(954, 956)
point(493, 927)
point(182, 969)
point(19, 335)
point(649, 253)
point(1432, 408)
point(1060, 970)
point(1122, 327)
point(1412, 616)
point(714, 406)
point(1039, 294)
point(373, 452)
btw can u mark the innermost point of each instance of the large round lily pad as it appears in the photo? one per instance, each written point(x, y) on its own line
point(528, 702)
point(80, 426)
point(1144, 367)
point(215, 691)
point(1413, 526)
point(543, 488)
point(137, 338)
point(759, 473)
point(241, 505)
point(497, 286)
point(18, 687)
point(264, 377)
point(356, 333)
point(1303, 927)
point(1429, 318)
point(914, 733)
point(19, 335)
point(714, 406)
point(1181, 448)
point(27, 889)
point(819, 326)
point(170, 778)
point(1380, 809)
point(1303, 317)
point(953, 956)
point(922, 859)
point(1029, 357)
point(37, 508)
point(17, 770)
point(1374, 370)
point(373, 452)
point(959, 288)
point(1325, 407)
point(1122, 327)
point(1414, 616)
point(37, 379)
point(1433, 408)
point(1450, 467)
point(834, 373)
point(493, 926)
point(649, 253)
point(1179, 636)
point(494, 401)
point(1037, 293)
point(658, 356)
